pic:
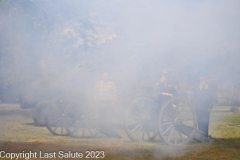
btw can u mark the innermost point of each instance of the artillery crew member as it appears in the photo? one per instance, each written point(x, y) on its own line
point(204, 97)
point(105, 97)
point(165, 89)
point(105, 90)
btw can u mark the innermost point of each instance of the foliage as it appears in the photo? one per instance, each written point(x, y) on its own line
point(44, 37)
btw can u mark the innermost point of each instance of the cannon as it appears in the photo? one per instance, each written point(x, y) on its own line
point(172, 118)
point(55, 92)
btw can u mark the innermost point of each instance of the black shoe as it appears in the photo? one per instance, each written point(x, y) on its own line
point(211, 139)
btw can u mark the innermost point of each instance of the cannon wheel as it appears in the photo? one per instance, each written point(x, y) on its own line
point(81, 123)
point(140, 120)
point(177, 121)
point(56, 118)
point(40, 112)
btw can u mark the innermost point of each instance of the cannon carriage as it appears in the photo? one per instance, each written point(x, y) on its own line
point(174, 120)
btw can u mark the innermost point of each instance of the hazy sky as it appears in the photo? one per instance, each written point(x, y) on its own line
point(179, 33)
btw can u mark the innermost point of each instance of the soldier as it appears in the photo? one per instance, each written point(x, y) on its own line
point(235, 97)
point(165, 88)
point(204, 97)
point(105, 97)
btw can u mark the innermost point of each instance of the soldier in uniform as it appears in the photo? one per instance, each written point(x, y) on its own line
point(105, 97)
point(165, 89)
point(235, 97)
point(204, 97)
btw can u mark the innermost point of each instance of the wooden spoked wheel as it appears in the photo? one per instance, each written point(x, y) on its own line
point(82, 124)
point(177, 122)
point(141, 120)
point(56, 119)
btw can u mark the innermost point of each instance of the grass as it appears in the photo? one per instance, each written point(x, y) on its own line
point(18, 134)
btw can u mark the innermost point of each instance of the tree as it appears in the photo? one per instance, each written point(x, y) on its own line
point(40, 38)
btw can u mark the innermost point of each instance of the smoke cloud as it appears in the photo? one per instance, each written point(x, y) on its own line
point(50, 47)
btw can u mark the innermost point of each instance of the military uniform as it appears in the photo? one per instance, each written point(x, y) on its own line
point(204, 103)
point(105, 95)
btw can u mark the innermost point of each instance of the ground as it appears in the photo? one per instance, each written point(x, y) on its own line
point(19, 135)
